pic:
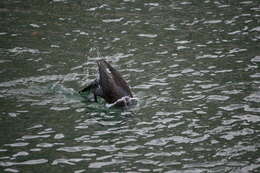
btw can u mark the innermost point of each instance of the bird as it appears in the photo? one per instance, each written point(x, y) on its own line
point(109, 85)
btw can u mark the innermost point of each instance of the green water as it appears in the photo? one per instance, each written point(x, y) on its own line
point(193, 66)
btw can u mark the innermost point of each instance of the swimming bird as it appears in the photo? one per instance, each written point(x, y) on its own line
point(109, 85)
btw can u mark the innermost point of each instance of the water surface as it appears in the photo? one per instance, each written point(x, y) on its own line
point(193, 65)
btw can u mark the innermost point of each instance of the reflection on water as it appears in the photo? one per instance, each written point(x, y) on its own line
point(192, 65)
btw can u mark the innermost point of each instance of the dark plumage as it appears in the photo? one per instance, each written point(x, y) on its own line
point(109, 85)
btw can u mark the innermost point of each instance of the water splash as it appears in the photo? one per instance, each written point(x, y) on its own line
point(126, 100)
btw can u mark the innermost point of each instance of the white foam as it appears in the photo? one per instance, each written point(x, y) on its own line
point(125, 99)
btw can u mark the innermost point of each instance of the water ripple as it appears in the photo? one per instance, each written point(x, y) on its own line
point(193, 67)
point(71, 161)
point(102, 164)
point(28, 162)
point(148, 35)
point(108, 148)
point(20, 50)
